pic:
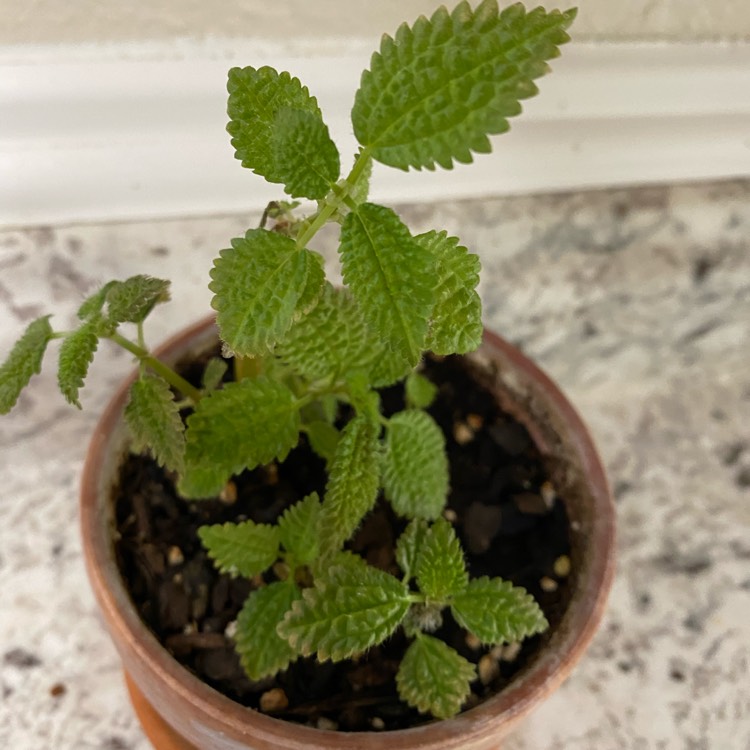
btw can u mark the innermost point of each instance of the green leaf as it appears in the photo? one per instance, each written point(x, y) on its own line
point(441, 571)
point(155, 423)
point(244, 549)
point(262, 653)
point(95, 302)
point(456, 326)
point(255, 98)
point(353, 483)
point(352, 607)
point(240, 426)
point(324, 438)
point(330, 340)
point(420, 392)
point(497, 612)
point(433, 678)
point(260, 284)
point(76, 354)
point(388, 367)
point(216, 367)
point(390, 276)
point(130, 301)
point(409, 546)
point(24, 360)
point(306, 158)
point(299, 529)
point(436, 91)
point(415, 469)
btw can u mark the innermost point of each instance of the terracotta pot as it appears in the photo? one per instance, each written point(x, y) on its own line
point(179, 712)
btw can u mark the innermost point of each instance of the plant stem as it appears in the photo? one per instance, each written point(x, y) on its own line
point(331, 207)
point(175, 380)
point(247, 367)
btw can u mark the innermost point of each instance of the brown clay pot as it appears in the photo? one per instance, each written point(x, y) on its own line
point(179, 712)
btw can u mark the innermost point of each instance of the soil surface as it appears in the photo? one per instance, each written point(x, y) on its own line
point(504, 508)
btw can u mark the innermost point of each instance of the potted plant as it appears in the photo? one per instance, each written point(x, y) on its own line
point(362, 383)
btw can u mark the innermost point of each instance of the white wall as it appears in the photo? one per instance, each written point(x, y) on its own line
point(42, 22)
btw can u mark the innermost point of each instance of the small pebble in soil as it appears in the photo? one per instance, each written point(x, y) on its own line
point(488, 669)
point(326, 723)
point(473, 642)
point(272, 473)
point(511, 652)
point(273, 701)
point(548, 584)
point(462, 433)
point(175, 556)
point(377, 723)
point(482, 523)
point(547, 491)
point(531, 503)
point(228, 495)
point(561, 566)
point(231, 629)
point(475, 421)
point(450, 515)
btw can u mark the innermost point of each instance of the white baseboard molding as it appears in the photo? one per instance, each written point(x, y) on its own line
point(126, 133)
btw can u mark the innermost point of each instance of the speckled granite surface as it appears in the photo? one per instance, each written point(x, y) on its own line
point(636, 301)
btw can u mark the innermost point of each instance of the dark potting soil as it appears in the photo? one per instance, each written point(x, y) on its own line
point(502, 504)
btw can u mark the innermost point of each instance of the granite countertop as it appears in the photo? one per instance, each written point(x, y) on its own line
point(636, 301)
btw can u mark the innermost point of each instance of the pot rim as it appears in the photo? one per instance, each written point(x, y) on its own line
point(496, 715)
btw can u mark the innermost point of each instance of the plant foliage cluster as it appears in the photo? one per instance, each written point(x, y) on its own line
point(432, 95)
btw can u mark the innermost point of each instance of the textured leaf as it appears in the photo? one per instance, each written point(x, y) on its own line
point(324, 438)
point(155, 423)
point(456, 326)
point(214, 373)
point(331, 339)
point(390, 276)
point(388, 367)
point(497, 612)
point(130, 301)
point(352, 607)
point(409, 546)
point(260, 284)
point(420, 392)
point(353, 483)
point(76, 354)
point(434, 678)
point(244, 549)
point(436, 91)
point(306, 158)
point(299, 529)
point(240, 426)
point(255, 98)
point(262, 652)
point(441, 571)
point(95, 302)
point(24, 360)
point(415, 468)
